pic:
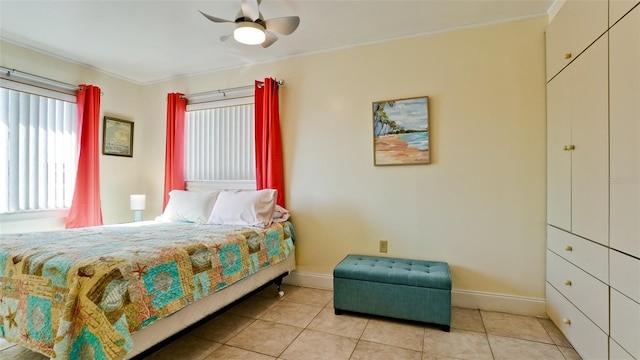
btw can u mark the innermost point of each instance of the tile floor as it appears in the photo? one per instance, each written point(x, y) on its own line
point(302, 326)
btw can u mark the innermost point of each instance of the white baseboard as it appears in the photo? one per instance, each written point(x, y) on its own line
point(499, 302)
point(316, 281)
point(463, 298)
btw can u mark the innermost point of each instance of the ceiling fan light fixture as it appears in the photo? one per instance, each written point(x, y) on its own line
point(249, 33)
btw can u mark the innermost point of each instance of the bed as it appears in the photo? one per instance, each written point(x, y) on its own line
point(112, 292)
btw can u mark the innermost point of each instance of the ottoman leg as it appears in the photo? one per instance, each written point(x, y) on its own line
point(337, 311)
point(446, 328)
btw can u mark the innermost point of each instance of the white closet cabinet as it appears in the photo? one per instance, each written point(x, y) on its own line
point(577, 146)
point(593, 178)
point(624, 82)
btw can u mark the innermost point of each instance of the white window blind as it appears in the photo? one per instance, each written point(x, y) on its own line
point(38, 157)
point(219, 141)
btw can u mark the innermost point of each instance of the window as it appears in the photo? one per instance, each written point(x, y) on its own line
point(38, 157)
point(219, 141)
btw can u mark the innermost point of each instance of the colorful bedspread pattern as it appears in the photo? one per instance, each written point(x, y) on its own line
point(79, 294)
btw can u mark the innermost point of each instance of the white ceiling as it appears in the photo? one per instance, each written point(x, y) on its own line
point(150, 41)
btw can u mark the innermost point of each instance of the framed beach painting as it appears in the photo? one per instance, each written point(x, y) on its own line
point(117, 137)
point(401, 131)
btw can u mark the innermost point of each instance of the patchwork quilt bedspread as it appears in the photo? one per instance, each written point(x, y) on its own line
point(79, 294)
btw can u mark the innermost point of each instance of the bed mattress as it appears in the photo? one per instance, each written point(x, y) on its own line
point(81, 293)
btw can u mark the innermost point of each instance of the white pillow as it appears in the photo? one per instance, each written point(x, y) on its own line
point(188, 206)
point(281, 214)
point(237, 207)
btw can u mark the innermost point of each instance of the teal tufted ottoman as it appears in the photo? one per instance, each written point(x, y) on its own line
point(400, 288)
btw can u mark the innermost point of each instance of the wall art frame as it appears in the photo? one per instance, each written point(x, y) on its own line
point(117, 137)
point(401, 131)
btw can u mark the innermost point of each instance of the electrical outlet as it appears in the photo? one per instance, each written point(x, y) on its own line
point(383, 246)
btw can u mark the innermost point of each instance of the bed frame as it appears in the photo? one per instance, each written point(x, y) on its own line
point(150, 338)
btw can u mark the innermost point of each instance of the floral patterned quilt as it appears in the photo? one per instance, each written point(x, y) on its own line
point(79, 294)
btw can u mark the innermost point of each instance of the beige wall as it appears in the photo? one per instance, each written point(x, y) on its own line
point(480, 205)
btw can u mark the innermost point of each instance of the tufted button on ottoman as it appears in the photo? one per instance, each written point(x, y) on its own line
point(400, 288)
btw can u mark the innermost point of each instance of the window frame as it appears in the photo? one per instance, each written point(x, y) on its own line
point(241, 99)
point(41, 90)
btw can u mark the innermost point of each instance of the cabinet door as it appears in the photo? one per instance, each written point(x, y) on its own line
point(625, 323)
point(624, 67)
point(558, 37)
point(558, 159)
point(588, 339)
point(590, 21)
point(577, 24)
point(584, 291)
point(587, 255)
point(617, 8)
point(589, 135)
point(625, 274)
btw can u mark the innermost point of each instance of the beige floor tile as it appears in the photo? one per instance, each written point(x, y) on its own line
point(330, 304)
point(290, 313)
point(505, 348)
point(460, 344)
point(222, 328)
point(554, 332)
point(344, 325)
point(254, 306)
point(394, 333)
point(315, 345)
point(302, 325)
point(186, 347)
point(466, 319)
point(426, 356)
point(21, 353)
point(265, 337)
point(232, 353)
point(366, 350)
point(569, 353)
point(310, 296)
point(515, 326)
point(4, 344)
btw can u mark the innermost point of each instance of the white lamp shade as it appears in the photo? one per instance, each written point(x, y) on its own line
point(138, 202)
point(249, 33)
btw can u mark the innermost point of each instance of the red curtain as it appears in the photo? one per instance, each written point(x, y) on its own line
point(269, 173)
point(85, 206)
point(174, 155)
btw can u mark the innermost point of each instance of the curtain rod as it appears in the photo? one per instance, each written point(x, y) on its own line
point(225, 91)
point(39, 79)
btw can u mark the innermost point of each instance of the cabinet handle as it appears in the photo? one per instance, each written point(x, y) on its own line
point(567, 282)
point(569, 147)
point(566, 321)
point(569, 248)
point(567, 56)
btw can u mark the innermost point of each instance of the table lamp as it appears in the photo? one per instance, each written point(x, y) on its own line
point(138, 203)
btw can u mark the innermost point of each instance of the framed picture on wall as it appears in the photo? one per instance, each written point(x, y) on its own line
point(401, 131)
point(117, 137)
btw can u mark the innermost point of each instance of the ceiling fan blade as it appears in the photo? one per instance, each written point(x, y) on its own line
point(269, 40)
point(283, 25)
point(215, 19)
point(224, 38)
point(250, 9)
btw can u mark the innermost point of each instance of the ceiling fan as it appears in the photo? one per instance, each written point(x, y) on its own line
point(253, 29)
